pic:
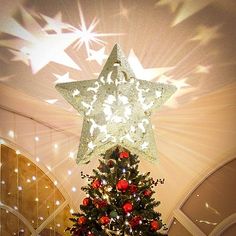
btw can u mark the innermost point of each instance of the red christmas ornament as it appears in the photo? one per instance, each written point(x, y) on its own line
point(86, 201)
point(110, 163)
point(135, 221)
point(133, 188)
point(122, 185)
point(124, 155)
point(147, 193)
point(82, 220)
point(155, 225)
point(100, 203)
point(104, 220)
point(127, 207)
point(96, 184)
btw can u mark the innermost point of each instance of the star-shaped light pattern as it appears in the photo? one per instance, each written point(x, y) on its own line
point(187, 7)
point(40, 48)
point(98, 56)
point(63, 78)
point(182, 88)
point(116, 109)
point(200, 69)
point(145, 74)
point(55, 23)
point(86, 34)
point(206, 34)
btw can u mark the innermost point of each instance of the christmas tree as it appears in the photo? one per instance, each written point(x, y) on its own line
point(119, 199)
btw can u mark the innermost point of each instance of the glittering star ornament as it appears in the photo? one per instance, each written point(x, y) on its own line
point(116, 109)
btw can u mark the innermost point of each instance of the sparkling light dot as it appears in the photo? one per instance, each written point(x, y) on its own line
point(73, 189)
point(57, 203)
point(69, 172)
point(11, 133)
point(37, 159)
point(28, 180)
point(16, 170)
point(36, 138)
point(55, 145)
point(33, 177)
point(55, 182)
point(58, 225)
point(15, 207)
point(49, 168)
point(20, 188)
point(71, 211)
point(71, 155)
point(3, 182)
point(36, 199)
point(17, 152)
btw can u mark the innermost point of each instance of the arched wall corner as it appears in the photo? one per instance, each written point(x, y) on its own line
point(194, 185)
point(51, 176)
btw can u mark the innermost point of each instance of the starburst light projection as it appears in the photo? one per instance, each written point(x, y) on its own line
point(116, 109)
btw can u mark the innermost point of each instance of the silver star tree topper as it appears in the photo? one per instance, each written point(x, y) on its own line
point(116, 109)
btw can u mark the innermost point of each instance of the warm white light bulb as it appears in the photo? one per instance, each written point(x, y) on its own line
point(17, 152)
point(11, 133)
point(20, 188)
point(57, 203)
point(71, 211)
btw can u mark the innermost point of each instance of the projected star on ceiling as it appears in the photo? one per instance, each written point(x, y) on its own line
point(55, 23)
point(98, 56)
point(206, 34)
point(87, 35)
point(187, 7)
point(39, 47)
point(63, 78)
point(116, 109)
point(200, 69)
point(145, 74)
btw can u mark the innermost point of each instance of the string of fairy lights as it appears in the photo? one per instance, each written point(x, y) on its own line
point(34, 178)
